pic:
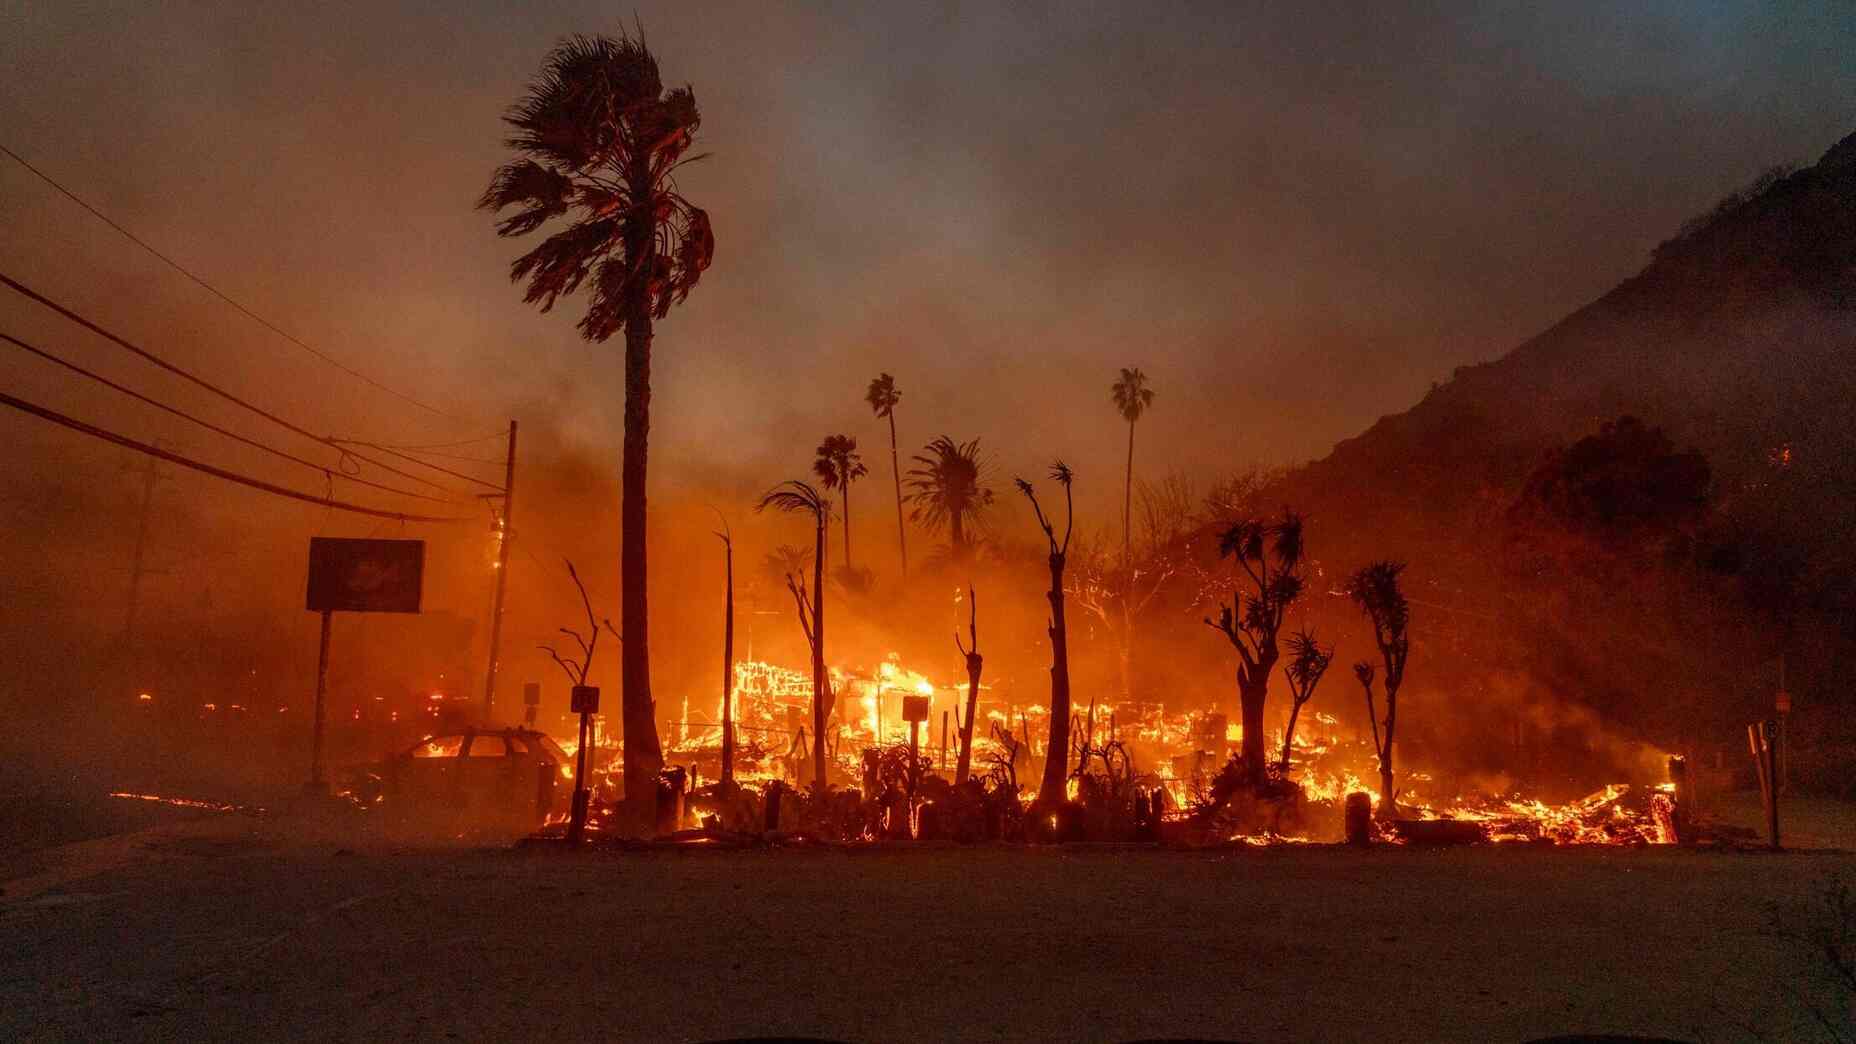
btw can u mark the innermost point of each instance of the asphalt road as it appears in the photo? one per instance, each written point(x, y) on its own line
point(230, 928)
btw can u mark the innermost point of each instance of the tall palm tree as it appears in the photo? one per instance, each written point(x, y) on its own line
point(883, 395)
point(838, 465)
point(1132, 398)
point(598, 142)
point(948, 488)
point(801, 498)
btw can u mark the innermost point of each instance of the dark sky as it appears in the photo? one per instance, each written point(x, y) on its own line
point(1293, 217)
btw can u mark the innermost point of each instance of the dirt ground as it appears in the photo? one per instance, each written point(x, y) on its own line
point(226, 927)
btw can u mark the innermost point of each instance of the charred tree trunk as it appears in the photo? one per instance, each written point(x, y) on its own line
point(728, 674)
point(1388, 800)
point(974, 665)
point(1057, 755)
point(821, 683)
point(895, 471)
point(638, 717)
point(1253, 691)
point(847, 525)
point(1288, 736)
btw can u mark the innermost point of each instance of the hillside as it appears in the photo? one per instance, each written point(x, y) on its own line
point(1738, 341)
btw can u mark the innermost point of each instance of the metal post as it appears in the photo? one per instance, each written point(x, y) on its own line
point(504, 533)
point(944, 741)
point(318, 784)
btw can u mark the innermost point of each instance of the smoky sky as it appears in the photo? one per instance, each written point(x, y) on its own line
point(1293, 217)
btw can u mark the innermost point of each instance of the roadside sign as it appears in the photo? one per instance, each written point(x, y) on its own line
point(365, 576)
point(585, 699)
point(531, 694)
point(914, 708)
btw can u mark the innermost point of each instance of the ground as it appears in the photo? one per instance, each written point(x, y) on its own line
point(231, 927)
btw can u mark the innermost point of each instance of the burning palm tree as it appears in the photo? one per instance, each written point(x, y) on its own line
point(883, 395)
point(801, 498)
point(838, 465)
point(948, 488)
point(598, 142)
point(1132, 398)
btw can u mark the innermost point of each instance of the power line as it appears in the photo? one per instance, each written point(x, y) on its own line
point(421, 463)
point(216, 292)
point(27, 291)
point(497, 437)
point(444, 456)
point(188, 462)
point(208, 425)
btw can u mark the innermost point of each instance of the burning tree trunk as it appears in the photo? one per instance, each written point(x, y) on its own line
point(1375, 589)
point(728, 662)
point(1270, 555)
point(1308, 661)
point(974, 663)
point(1051, 790)
point(797, 496)
point(577, 674)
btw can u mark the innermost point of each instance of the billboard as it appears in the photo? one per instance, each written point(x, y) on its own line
point(365, 576)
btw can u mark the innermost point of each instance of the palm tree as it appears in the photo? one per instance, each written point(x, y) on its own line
point(949, 489)
point(598, 142)
point(1132, 397)
point(838, 465)
point(883, 395)
point(799, 497)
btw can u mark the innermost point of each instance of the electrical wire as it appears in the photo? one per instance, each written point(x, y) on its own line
point(188, 462)
point(34, 295)
point(208, 425)
point(216, 292)
point(421, 463)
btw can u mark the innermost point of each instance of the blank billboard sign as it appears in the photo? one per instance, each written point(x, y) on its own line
point(365, 576)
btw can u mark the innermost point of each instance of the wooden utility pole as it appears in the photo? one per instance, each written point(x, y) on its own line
point(504, 533)
point(318, 783)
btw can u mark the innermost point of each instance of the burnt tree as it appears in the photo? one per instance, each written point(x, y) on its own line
point(577, 672)
point(1308, 661)
point(1051, 790)
point(799, 497)
point(1270, 556)
point(728, 659)
point(975, 662)
point(1375, 589)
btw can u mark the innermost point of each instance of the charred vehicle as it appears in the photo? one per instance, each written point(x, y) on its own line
point(514, 777)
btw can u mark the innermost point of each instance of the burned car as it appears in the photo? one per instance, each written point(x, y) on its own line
point(477, 776)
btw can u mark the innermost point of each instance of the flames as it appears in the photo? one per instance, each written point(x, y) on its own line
point(1179, 751)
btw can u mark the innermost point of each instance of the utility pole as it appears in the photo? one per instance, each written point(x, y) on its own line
point(141, 548)
point(504, 532)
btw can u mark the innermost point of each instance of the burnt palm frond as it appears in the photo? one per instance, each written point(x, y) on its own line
point(597, 139)
point(838, 464)
point(950, 480)
point(1131, 395)
point(1308, 661)
point(883, 395)
point(796, 497)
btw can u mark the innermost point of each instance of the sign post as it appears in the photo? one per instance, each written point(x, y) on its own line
point(355, 576)
point(914, 711)
point(584, 701)
point(318, 781)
